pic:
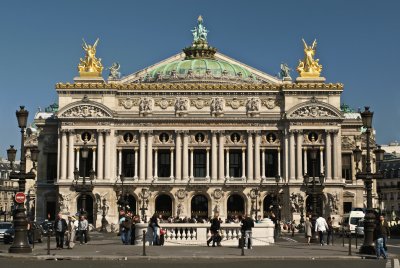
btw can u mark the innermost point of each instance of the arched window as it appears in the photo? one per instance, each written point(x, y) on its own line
point(235, 205)
point(164, 206)
point(199, 206)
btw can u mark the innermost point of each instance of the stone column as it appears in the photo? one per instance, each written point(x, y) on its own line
point(185, 159)
point(107, 155)
point(257, 141)
point(299, 159)
point(63, 161)
point(171, 176)
point(321, 162)
point(155, 163)
point(191, 163)
point(136, 164)
point(178, 152)
point(292, 161)
point(263, 163)
point(149, 155)
point(207, 163)
point(221, 162)
point(250, 155)
point(286, 156)
point(77, 152)
point(119, 162)
point(94, 159)
point(279, 161)
point(305, 160)
point(243, 163)
point(339, 155)
point(142, 155)
point(100, 154)
point(214, 156)
point(227, 163)
point(71, 163)
point(58, 155)
point(328, 152)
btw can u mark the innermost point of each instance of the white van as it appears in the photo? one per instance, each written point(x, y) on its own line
point(350, 221)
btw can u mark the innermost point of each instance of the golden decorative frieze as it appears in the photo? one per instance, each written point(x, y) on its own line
point(337, 86)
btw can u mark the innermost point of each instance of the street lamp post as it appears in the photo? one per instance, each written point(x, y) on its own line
point(315, 189)
point(20, 244)
point(145, 203)
point(254, 194)
point(122, 202)
point(83, 188)
point(367, 177)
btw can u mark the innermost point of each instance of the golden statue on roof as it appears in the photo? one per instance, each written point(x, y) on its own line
point(90, 65)
point(309, 67)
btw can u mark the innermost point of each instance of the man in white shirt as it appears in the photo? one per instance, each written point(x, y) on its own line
point(321, 226)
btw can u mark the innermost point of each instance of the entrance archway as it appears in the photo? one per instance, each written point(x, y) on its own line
point(199, 207)
point(163, 206)
point(268, 204)
point(89, 207)
point(235, 205)
point(309, 204)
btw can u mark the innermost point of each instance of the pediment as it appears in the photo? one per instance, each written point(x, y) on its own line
point(314, 109)
point(85, 109)
point(348, 194)
point(138, 76)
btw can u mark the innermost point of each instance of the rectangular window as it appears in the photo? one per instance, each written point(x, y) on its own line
point(51, 168)
point(313, 166)
point(346, 167)
point(164, 163)
point(347, 207)
point(128, 163)
point(271, 163)
point(235, 163)
point(199, 163)
point(85, 165)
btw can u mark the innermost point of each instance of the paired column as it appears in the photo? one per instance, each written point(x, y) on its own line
point(107, 155)
point(185, 158)
point(119, 162)
point(305, 160)
point(207, 163)
point(149, 155)
point(339, 154)
point(250, 155)
point(191, 163)
point(71, 137)
point(214, 155)
point(142, 155)
point(279, 161)
point(328, 158)
point(321, 157)
point(299, 161)
point(292, 162)
point(100, 165)
point(263, 163)
point(221, 161)
point(77, 152)
point(243, 163)
point(94, 158)
point(286, 155)
point(178, 151)
point(172, 164)
point(227, 163)
point(155, 163)
point(136, 164)
point(257, 141)
point(63, 172)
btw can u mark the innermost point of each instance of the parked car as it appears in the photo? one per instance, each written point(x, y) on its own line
point(36, 234)
point(4, 226)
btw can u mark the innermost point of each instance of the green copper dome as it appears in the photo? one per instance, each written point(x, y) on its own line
point(200, 65)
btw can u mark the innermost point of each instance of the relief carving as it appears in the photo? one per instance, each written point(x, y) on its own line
point(235, 103)
point(312, 111)
point(128, 103)
point(164, 103)
point(146, 106)
point(85, 111)
point(217, 106)
point(199, 103)
point(253, 106)
point(181, 105)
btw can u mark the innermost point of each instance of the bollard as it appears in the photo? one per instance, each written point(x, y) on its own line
point(33, 239)
point(356, 239)
point(242, 245)
point(343, 236)
point(48, 242)
point(350, 244)
point(144, 243)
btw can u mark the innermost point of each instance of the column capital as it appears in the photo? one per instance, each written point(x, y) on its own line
point(292, 131)
point(64, 131)
point(146, 131)
point(218, 131)
point(136, 149)
point(100, 131)
point(321, 148)
point(252, 131)
point(107, 131)
point(70, 131)
point(207, 149)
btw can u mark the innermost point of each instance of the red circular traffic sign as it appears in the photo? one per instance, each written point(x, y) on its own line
point(20, 197)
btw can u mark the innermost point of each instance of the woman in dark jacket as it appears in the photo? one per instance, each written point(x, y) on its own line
point(214, 229)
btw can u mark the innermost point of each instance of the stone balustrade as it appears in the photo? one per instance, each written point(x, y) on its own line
point(184, 234)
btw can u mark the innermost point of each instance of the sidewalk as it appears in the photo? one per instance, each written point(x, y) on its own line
point(109, 247)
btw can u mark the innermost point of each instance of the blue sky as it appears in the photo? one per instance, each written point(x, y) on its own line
point(358, 45)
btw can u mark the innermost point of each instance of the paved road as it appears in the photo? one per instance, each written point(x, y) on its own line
point(143, 263)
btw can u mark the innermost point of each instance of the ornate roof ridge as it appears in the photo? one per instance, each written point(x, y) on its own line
point(192, 86)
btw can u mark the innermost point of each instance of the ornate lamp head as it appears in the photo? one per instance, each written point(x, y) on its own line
point(366, 117)
point(22, 117)
point(76, 175)
point(313, 153)
point(34, 154)
point(306, 179)
point(85, 151)
point(11, 153)
point(92, 174)
point(357, 154)
point(379, 153)
point(277, 178)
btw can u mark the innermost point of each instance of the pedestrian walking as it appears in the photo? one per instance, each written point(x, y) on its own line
point(308, 230)
point(153, 224)
point(71, 230)
point(60, 227)
point(214, 229)
point(126, 230)
point(384, 226)
point(321, 226)
point(379, 237)
point(329, 236)
point(83, 230)
point(247, 225)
